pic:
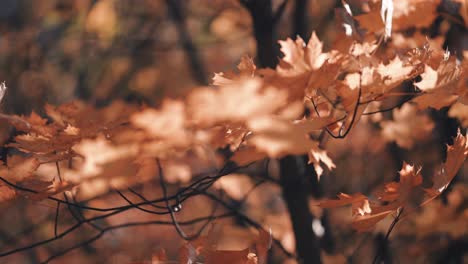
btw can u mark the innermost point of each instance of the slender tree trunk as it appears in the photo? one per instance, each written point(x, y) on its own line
point(198, 71)
point(263, 25)
point(292, 168)
point(300, 27)
point(295, 194)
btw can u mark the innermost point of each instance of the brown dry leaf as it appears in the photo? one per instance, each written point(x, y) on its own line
point(278, 137)
point(242, 99)
point(364, 215)
point(19, 168)
point(395, 72)
point(294, 72)
point(246, 68)
point(176, 171)
point(403, 193)
point(189, 252)
point(46, 188)
point(21, 171)
point(428, 79)
point(316, 157)
point(409, 178)
point(99, 152)
point(166, 124)
point(439, 86)
point(39, 125)
point(65, 113)
point(441, 217)
point(359, 202)
point(117, 174)
point(363, 223)
point(319, 82)
point(236, 186)
point(348, 91)
point(299, 57)
point(42, 145)
point(456, 155)
point(406, 193)
point(222, 79)
point(460, 112)
point(206, 248)
point(371, 21)
point(404, 43)
point(414, 13)
point(147, 169)
point(88, 120)
point(231, 134)
point(16, 121)
point(408, 126)
point(406, 14)
point(437, 100)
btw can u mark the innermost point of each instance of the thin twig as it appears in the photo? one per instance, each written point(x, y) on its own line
point(390, 229)
point(132, 224)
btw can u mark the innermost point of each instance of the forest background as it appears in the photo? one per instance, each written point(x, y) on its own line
point(152, 65)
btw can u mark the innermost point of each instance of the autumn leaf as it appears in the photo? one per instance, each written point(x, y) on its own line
point(299, 57)
point(100, 151)
point(206, 248)
point(359, 202)
point(277, 138)
point(19, 168)
point(16, 121)
point(363, 223)
point(407, 127)
point(460, 112)
point(246, 68)
point(406, 14)
point(456, 155)
point(238, 101)
point(406, 193)
point(235, 185)
point(439, 86)
point(171, 117)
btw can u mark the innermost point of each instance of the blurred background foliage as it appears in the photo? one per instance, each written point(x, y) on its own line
point(55, 51)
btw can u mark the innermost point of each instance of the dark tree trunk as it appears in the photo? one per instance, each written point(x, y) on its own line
point(300, 27)
point(292, 168)
point(198, 71)
point(295, 193)
point(263, 25)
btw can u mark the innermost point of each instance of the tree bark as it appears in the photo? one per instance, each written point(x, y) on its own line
point(295, 194)
point(263, 25)
point(292, 168)
point(300, 27)
point(198, 71)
